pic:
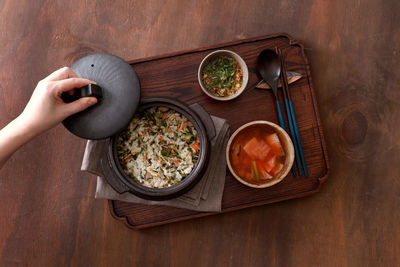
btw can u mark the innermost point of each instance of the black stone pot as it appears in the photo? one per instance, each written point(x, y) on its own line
point(122, 183)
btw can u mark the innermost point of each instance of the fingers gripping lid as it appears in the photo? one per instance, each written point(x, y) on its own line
point(120, 96)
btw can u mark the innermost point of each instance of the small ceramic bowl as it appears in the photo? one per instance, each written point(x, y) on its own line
point(287, 146)
point(242, 64)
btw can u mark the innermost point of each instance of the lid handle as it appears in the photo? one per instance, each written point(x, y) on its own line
point(86, 91)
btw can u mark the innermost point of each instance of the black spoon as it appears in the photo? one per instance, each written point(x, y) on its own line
point(269, 66)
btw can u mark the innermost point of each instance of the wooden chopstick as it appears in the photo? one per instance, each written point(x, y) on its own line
point(292, 117)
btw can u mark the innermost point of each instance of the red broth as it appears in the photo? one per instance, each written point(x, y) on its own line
point(256, 154)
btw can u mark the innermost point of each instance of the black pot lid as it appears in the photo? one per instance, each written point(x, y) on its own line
point(118, 96)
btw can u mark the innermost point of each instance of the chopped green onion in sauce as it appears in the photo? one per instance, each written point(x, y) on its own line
point(222, 76)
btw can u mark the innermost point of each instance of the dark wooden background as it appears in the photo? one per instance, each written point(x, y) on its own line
point(48, 214)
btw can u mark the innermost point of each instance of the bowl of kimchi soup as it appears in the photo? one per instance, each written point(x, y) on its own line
point(260, 154)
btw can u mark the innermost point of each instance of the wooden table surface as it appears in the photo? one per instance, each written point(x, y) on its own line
point(49, 216)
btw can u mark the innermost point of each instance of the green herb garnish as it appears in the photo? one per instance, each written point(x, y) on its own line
point(222, 76)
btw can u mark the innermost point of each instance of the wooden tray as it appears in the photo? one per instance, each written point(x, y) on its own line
point(175, 75)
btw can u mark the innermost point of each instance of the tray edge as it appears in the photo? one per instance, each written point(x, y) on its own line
point(126, 221)
point(291, 41)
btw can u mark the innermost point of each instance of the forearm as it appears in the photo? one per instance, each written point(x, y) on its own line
point(13, 136)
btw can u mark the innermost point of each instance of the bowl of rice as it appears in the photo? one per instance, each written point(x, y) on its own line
point(162, 153)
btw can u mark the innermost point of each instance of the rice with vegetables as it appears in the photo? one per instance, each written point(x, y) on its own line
point(159, 148)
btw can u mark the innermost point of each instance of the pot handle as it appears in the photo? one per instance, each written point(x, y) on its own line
point(205, 118)
point(112, 179)
point(85, 91)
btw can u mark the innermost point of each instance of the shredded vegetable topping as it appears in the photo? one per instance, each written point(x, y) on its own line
point(159, 148)
point(222, 76)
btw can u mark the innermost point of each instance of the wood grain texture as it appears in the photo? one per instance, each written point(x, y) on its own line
point(49, 216)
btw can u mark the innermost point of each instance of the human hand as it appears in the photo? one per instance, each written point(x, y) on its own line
point(45, 109)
